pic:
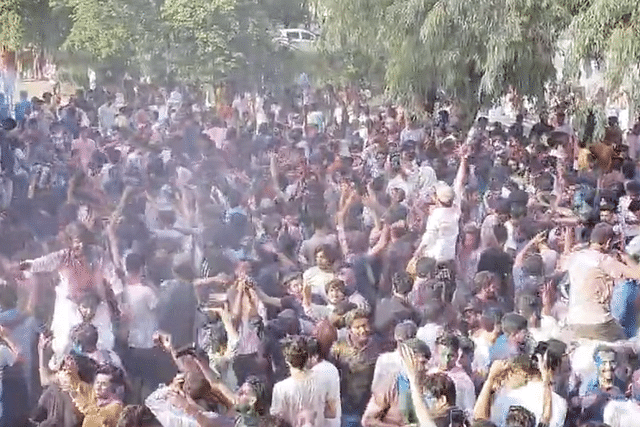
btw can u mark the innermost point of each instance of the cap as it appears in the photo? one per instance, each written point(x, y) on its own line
point(444, 193)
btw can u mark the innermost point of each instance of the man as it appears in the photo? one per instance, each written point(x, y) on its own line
point(23, 108)
point(319, 276)
point(390, 403)
point(592, 272)
point(448, 347)
point(395, 309)
point(439, 240)
point(355, 358)
point(325, 372)
point(596, 392)
point(389, 364)
point(513, 342)
point(521, 382)
point(301, 391)
point(99, 403)
point(625, 413)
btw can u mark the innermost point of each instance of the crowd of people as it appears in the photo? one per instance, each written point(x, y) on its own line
point(310, 261)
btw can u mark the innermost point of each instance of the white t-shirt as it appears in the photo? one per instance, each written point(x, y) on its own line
point(622, 414)
point(328, 376)
point(294, 395)
point(140, 301)
point(529, 397)
point(441, 234)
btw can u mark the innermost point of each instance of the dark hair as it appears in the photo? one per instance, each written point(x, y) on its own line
point(602, 233)
point(296, 352)
point(402, 283)
point(336, 284)
point(519, 416)
point(136, 416)
point(86, 336)
point(439, 384)
point(483, 423)
point(527, 305)
point(418, 346)
point(328, 251)
point(116, 374)
point(272, 421)
point(260, 390)
point(425, 267)
point(513, 323)
point(466, 345)
point(133, 263)
point(500, 232)
point(449, 340)
point(87, 367)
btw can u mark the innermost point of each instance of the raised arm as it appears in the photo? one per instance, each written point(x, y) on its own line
point(422, 412)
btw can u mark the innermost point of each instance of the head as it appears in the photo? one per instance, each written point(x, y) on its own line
point(465, 353)
point(77, 236)
point(601, 236)
point(293, 284)
point(404, 331)
point(107, 381)
point(133, 264)
point(88, 306)
point(529, 307)
point(471, 236)
point(84, 338)
point(402, 284)
point(324, 256)
point(421, 352)
point(252, 397)
point(447, 347)
point(486, 285)
point(442, 390)
point(359, 326)
point(336, 291)
point(605, 358)
point(425, 267)
point(296, 353)
point(515, 327)
point(518, 416)
point(444, 195)
point(137, 416)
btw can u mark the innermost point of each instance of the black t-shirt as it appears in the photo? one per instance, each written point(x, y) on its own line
point(496, 261)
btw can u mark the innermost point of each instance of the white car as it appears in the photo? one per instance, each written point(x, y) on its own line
point(297, 39)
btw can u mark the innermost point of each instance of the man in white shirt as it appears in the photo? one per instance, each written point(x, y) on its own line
point(302, 391)
point(328, 376)
point(389, 365)
point(140, 302)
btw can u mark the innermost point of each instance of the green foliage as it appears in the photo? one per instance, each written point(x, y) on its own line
point(11, 28)
point(473, 50)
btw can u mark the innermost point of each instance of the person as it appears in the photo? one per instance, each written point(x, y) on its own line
point(22, 108)
point(355, 357)
point(395, 309)
point(301, 391)
point(441, 392)
point(327, 375)
point(390, 402)
point(596, 392)
point(389, 364)
point(447, 350)
point(521, 382)
point(591, 272)
point(316, 278)
point(140, 302)
point(99, 403)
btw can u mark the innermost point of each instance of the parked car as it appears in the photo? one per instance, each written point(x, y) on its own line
point(297, 39)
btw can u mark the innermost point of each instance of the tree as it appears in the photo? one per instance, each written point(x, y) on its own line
point(475, 51)
point(608, 31)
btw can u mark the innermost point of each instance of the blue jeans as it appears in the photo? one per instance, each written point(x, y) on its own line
point(351, 420)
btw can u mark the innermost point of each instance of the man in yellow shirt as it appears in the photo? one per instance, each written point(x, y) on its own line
point(100, 403)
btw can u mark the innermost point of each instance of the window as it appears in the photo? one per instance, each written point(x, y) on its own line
point(307, 36)
point(293, 35)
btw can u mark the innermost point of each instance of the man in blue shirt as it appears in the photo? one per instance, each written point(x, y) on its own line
point(23, 108)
